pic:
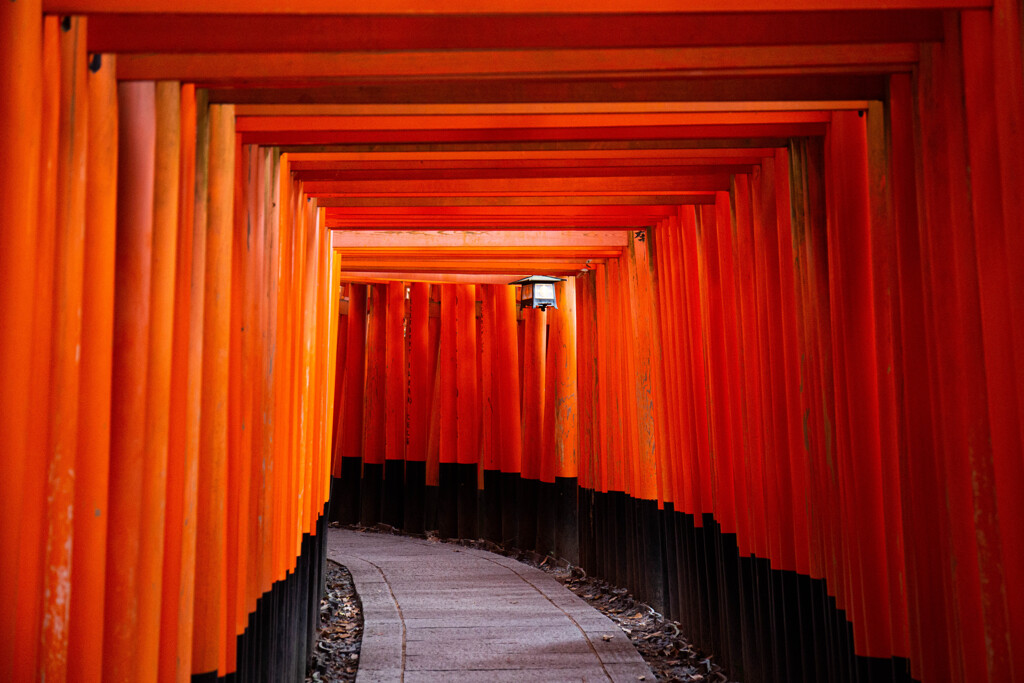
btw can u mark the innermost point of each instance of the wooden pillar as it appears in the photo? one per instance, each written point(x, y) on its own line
point(447, 494)
point(467, 408)
point(153, 491)
point(136, 152)
point(566, 418)
point(85, 637)
point(66, 333)
point(20, 134)
point(395, 379)
point(350, 440)
point(490, 448)
point(374, 424)
point(207, 651)
point(508, 406)
point(422, 368)
point(534, 366)
point(32, 525)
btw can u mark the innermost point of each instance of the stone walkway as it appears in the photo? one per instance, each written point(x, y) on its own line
point(441, 612)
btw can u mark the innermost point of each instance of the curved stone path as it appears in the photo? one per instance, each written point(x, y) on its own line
point(442, 612)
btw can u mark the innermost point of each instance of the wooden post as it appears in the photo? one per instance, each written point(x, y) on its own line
point(350, 441)
point(447, 503)
point(20, 133)
point(566, 418)
point(395, 377)
point(207, 652)
point(467, 408)
point(136, 155)
point(85, 637)
point(32, 525)
point(374, 424)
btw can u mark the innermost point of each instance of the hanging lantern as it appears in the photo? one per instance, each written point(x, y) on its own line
point(538, 291)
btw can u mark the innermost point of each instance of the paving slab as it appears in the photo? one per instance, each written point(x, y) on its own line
point(438, 612)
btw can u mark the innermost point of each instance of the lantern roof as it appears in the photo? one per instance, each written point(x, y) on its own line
point(534, 279)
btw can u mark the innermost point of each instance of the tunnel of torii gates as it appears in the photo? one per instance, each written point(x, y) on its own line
point(254, 267)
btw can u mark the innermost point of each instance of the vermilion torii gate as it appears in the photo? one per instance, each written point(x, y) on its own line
point(254, 268)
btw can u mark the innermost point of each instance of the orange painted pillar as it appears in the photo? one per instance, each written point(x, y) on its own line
point(854, 331)
point(238, 453)
point(209, 614)
point(925, 533)
point(341, 324)
point(490, 444)
point(85, 639)
point(566, 421)
point(395, 378)
point(158, 377)
point(994, 94)
point(136, 157)
point(175, 650)
point(65, 353)
point(508, 407)
point(247, 206)
point(422, 367)
point(547, 494)
point(447, 495)
point(586, 334)
point(32, 541)
point(20, 134)
point(350, 440)
point(534, 371)
point(374, 418)
point(467, 408)
point(178, 603)
point(750, 490)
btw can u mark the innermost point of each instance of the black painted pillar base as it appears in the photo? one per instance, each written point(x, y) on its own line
point(668, 525)
point(336, 496)
point(490, 507)
point(346, 504)
point(567, 526)
point(415, 485)
point(528, 513)
point(281, 633)
point(585, 529)
point(467, 485)
point(547, 507)
point(392, 507)
point(430, 507)
point(510, 509)
point(447, 500)
point(370, 494)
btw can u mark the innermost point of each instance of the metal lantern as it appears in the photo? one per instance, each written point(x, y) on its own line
point(538, 291)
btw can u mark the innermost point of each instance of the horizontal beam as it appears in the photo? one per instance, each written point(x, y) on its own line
point(504, 255)
point(208, 26)
point(212, 67)
point(398, 122)
point(540, 266)
point(438, 278)
point(626, 147)
point(782, 87)
point(607, 185)
point(306, 168)
point(477, 240)
point(700, 132)
point(509, 173)
point(506, 212)
point(484, 224)
point(509, 7)
point(526, 156)
point(667, 202)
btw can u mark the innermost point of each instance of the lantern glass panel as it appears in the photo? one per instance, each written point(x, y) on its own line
point(527, 292)
point(544, 291)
